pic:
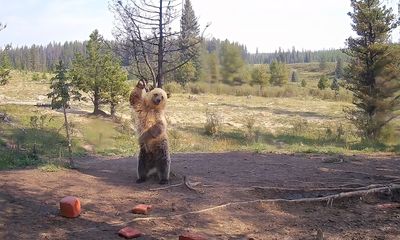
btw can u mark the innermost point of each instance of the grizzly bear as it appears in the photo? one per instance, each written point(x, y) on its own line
point(152, 131)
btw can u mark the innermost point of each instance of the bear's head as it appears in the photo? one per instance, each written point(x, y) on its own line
point(156, 99)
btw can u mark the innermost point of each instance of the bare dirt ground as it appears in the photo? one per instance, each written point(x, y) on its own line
point(107, 189)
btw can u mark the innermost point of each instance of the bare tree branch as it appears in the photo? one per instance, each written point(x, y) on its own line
point(2, 26)
point(145, 33)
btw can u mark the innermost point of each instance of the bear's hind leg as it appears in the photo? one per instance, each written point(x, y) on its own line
point(163, 163)
point(142, 168)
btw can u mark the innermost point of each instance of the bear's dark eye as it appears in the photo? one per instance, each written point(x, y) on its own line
point(155, 94)
point(162, 97)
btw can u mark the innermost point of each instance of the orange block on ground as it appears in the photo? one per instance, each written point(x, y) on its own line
point(70, 207)
point(192, 236)
point(142, 209)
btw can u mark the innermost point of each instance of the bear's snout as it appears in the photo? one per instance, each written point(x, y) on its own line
point(157, 100)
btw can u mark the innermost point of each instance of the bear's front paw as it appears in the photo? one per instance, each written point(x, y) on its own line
point(141, 84)
point(163, 181)
point(141, 180)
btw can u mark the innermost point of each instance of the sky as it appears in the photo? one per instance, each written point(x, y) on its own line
point(265, 25)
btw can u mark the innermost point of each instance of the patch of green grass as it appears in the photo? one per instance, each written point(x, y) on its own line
point(51, 167)
point(12, 159)
point(46, 142)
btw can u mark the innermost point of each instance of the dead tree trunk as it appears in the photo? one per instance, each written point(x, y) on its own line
point(160, 48)
point(143, 32)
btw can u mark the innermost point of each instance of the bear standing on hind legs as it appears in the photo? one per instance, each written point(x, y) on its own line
point(152, 130)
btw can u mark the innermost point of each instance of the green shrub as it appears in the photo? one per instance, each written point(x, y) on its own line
point(244, 90)
point(44, 76)
point(197, 88)
point(389, 135)
point(323, 82)
point(300, 126)
point(252, 134)
point(220, 88)
point(35, 77)
point(286, 91)
point(213, 123)
point(303, 82)
point(173, 87)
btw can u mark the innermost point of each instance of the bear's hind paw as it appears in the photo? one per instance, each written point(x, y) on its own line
point(163, 181)
point(141, 180)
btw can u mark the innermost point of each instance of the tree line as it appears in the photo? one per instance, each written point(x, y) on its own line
point(296, 56)
point(41, 58)
point(44, 58)
point(216, 62)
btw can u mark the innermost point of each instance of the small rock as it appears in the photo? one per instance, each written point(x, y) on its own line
point(128, 233)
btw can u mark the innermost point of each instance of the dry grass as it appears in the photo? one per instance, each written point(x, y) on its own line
point(296, 124)
point(22, 88)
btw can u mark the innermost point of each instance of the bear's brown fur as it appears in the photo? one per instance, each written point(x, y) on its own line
point(152, 130)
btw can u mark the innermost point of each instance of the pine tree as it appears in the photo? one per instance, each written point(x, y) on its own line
point(5, 58)
point(61, 95)
point(279, 73)
point(373, 73)
point(97, 73)
point(339, 68)
point(186, 73)
point(213, 67)
point(5, 66)
point(117, 87)
point(231, 61)
point(323, 82)
point(259, 76)
point(190, 31)
point(335, 84)
point(322, 63)
point(244, 76)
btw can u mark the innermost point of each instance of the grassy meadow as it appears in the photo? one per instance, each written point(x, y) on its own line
point(277, 119)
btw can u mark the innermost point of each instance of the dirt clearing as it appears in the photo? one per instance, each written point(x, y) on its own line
point(106, 186)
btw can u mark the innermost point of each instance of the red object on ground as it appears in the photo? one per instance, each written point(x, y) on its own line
point(128, 232)
point(70, 207)
point(142, 209)
point(192, 236)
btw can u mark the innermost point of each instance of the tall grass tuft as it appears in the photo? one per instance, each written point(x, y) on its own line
point(213, 123)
